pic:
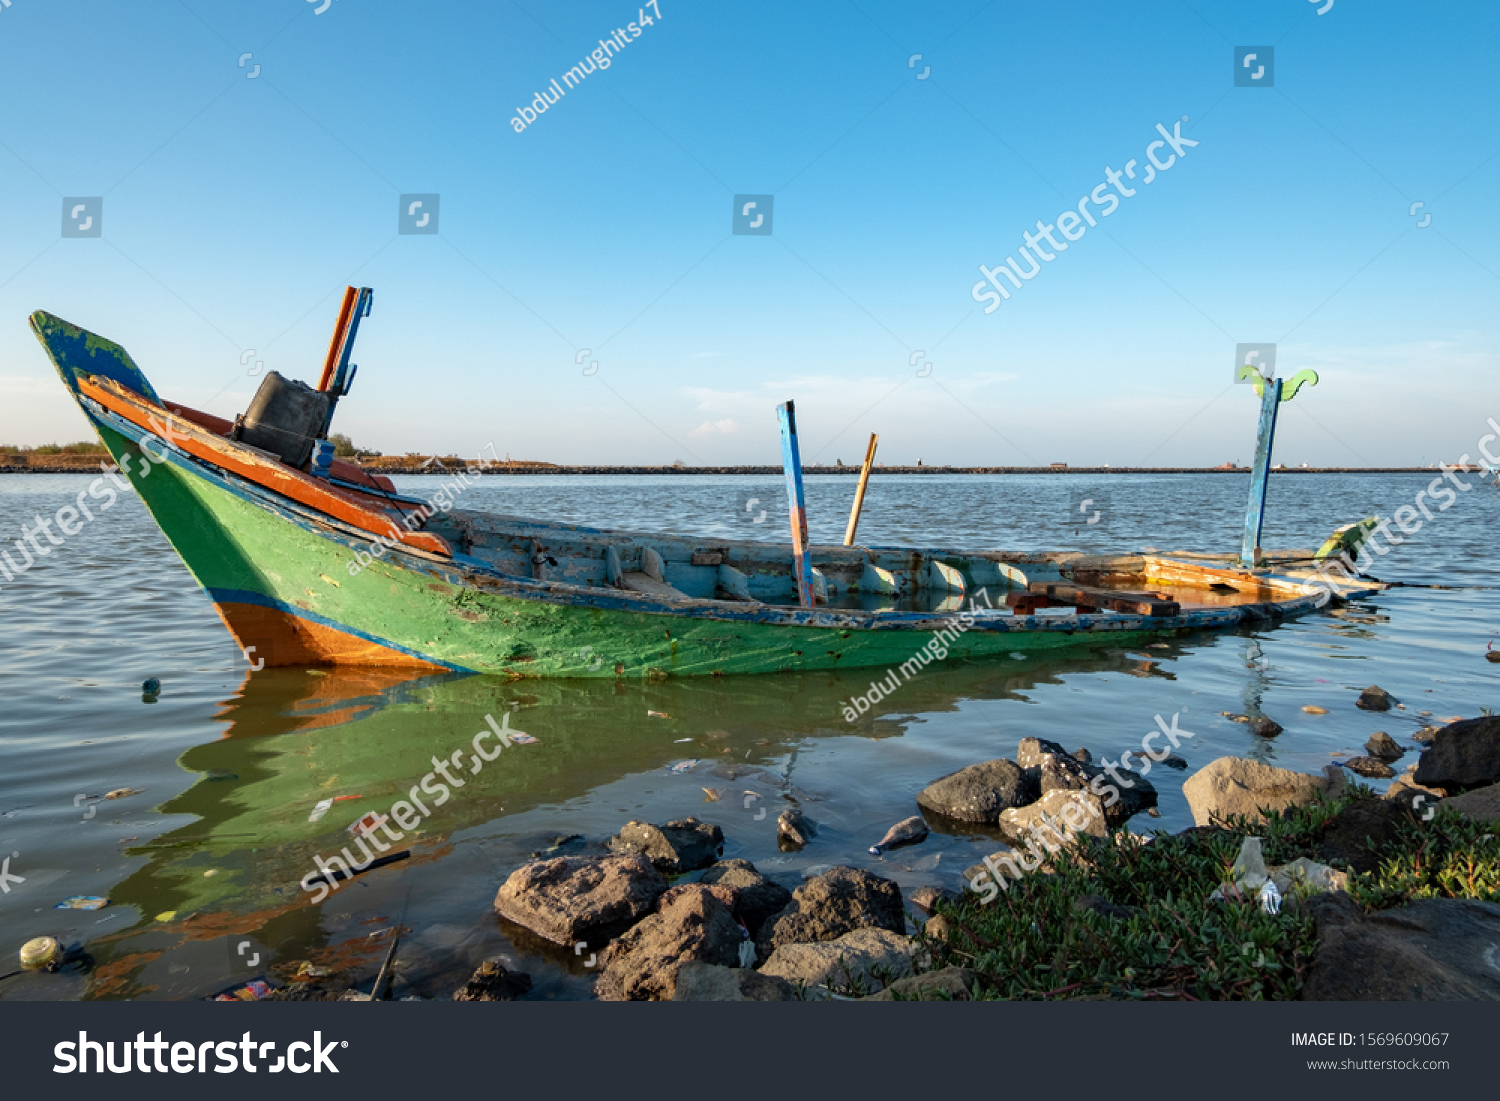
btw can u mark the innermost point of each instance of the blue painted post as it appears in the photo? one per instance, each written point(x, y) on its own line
point(791, 463)
point(1260, 475)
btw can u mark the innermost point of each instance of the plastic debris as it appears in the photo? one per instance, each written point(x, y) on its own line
point(1314, 709)
point(908, 831)
point(683, 766)
point(82, 902)
point(252, 991)
point(323, 807)
point(1016, 655)
point(41, 952)
point(366, 824)
point(711, 795)
point(123, 793)
point(520, 737)
point(166, 916)
point(657, 715)
point(747, 953)
point(679, 741)
point(1269, 897)
point(150, 687)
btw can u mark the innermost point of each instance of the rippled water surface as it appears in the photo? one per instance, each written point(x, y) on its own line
point(202, 867)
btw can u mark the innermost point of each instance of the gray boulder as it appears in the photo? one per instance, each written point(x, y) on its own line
point(580, 898)
point(861, 960)
point(1435, 949)
point(1479, 805)
point(1383, 747)
point(980, 792)
point(1463, 755)
point(951, 984)
point(1057, 817)
point(681, 846)
point(755, 897)
point(692, 923)
point(836, 902)
point(708, 982)
point(1237, 786)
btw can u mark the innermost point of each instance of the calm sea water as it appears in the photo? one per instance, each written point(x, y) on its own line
point(201, 868)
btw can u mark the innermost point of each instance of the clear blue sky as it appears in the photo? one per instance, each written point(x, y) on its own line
point(236, 208)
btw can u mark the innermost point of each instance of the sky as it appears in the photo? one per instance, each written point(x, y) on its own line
point(585, 299)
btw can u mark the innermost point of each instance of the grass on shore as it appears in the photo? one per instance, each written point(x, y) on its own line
point(82, 447)
point(1038, 940)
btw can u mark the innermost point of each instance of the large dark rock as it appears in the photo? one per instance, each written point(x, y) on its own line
point(980, 792)
point(580, 898)
point(693, 923)
point(491, 982)
point(836, 902)
point(1435, 949)
point(756, 897)
point(1383, 747)
point(1375, 698)
point(681, 846)
point(1463, 755)
point(1361, 833)
point(708, 982)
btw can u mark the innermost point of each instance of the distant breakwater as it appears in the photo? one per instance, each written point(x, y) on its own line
point(40, 465)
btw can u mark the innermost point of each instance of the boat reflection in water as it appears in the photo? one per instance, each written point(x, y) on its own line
point(309, 752)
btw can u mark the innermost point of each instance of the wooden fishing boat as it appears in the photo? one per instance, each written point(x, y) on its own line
point(310, 560)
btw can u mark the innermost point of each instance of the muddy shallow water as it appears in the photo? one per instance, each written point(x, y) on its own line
point(202, 867)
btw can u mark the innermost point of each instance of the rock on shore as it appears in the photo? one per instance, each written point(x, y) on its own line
point(836, 902)
point(684, 845)
point(756, 897)
point(980, 792)
point(1434, 949)
point(693, 922)
point(865, 958)
point(1238, 786)
point(580, 898)
point(1463, 755)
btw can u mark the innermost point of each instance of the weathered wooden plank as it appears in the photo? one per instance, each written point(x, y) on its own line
point(1081, 596)
point(1260, 476)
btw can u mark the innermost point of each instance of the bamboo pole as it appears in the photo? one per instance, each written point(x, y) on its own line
point(859, 494)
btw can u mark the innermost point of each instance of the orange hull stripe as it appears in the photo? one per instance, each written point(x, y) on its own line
point(277, 638)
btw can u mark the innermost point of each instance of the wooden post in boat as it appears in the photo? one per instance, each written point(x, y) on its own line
point(859, 494)
point(1272, 392)
point(791, 462)
point(336, 345)
point(1260, 473)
